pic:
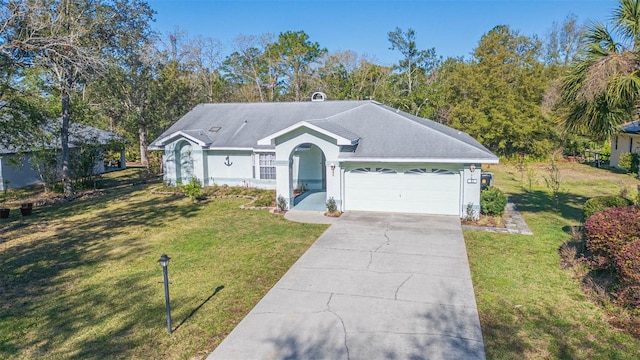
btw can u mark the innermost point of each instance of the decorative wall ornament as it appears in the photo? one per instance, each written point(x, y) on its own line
point(227, 162)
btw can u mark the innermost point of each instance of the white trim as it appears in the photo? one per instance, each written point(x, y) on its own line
point(230, 148)
point(269, 140)
point(421, 160)
point(180, 133)
point(223, 148)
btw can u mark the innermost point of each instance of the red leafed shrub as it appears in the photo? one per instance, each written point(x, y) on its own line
point(629, 296)
point(628, 264)
point(610, 229)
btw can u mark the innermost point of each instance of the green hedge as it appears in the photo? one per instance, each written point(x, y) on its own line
point(629, 162)
point(600, 203)
point(492, 201)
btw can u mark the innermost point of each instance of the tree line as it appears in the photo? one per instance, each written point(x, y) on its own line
point(100, 63)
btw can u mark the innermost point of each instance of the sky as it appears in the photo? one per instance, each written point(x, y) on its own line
point(452, 27)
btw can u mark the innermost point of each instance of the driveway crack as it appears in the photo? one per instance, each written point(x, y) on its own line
point(370, 260)
point(386, 242)
point(401, 285)
point(344, 328)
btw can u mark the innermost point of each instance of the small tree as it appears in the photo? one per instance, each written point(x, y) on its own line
point(193, 188)
point(531, 178)
point(281, 203)
point(332, 207)
point(552, 179)
point(83, 164)
point(45, 163)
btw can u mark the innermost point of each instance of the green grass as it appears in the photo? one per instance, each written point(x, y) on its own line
point(81, 280)
point(529, 307)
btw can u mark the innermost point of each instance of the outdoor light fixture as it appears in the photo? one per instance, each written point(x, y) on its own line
point(471, 180)
point(333, 169)
point(164, 262)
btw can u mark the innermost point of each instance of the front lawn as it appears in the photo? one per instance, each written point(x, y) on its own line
point(82, 281)
point(529, 307)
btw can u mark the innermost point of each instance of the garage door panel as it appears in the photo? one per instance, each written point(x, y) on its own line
point(416, 193)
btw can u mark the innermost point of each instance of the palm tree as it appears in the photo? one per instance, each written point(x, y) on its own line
point(602, 89)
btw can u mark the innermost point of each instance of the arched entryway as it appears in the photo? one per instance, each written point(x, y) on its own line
point(184, 162)
point(308, 177)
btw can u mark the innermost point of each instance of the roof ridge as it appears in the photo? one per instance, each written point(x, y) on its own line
point(411, 118)
point(333, 123)
point(364, 103)
point(279, 102)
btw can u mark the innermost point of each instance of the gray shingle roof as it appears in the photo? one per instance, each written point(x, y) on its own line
point(381, 131)
point(631, 127)
point(77, 134)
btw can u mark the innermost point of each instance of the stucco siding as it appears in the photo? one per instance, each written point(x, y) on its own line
point(233, 168)
point(626, 143)
point(18, 171)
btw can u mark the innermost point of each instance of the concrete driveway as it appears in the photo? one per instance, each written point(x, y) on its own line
point(373, 286)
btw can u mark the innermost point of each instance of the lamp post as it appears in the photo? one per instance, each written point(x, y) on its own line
point(164, 262)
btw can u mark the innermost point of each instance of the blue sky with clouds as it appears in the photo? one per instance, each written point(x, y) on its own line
point(453, 27)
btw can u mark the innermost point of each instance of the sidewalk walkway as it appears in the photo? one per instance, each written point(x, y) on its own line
point(309, 217)
point(514, 223)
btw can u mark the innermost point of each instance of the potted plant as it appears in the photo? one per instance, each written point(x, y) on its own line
point(26, 209)
point(4, 211)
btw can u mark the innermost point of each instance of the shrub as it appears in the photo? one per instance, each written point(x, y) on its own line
point(600, 203)
point(628, 263)
point(629, 162)
point(193, 188)
point(629, 296)
point(492, 201)
point(265, 198)
point(281, 203)
point(332, 206)
point(609, 230)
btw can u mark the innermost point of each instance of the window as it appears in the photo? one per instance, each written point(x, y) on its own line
point(360, 170)
point(416, 171)
point(385, 171)
point(267, 166)
point(442, 171)
point(616, 143)
point(630, 145)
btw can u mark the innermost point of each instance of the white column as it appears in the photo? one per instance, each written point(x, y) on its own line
point(283, 181)
point(334, 181)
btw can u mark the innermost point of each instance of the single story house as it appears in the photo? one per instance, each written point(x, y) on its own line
point(17, 168)
point(363, 154)
point(626, 141)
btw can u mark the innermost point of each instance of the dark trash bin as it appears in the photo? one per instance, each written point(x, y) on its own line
point(486, 180)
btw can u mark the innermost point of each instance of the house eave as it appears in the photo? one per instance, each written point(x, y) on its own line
point(222, 148)
point(424, 160)
point(176, 134)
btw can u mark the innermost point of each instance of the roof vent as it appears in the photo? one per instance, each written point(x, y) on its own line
point(318, 96)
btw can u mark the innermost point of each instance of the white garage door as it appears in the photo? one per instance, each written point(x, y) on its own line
point(424, 191)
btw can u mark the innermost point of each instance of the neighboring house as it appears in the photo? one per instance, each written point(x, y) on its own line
point(363, 154)
point(17, 168)
point(626, 141)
